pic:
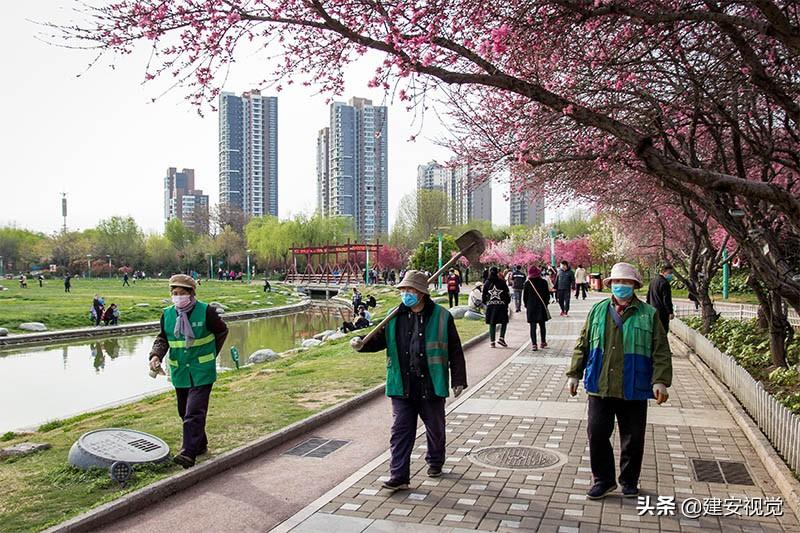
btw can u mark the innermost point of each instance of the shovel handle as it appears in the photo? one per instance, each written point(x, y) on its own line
point(393, 313)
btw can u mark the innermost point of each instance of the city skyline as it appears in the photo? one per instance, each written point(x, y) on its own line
point(465, 202)
point(182, 200)
point(523, 210)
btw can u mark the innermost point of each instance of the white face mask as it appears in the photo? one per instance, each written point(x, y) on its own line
point(181, 300)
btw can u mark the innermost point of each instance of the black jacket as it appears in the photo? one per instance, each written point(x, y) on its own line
point(534, 306)
point(496, 297)
point(659, 295)
point(404, 328)
point(518, 280)
point(565, 280)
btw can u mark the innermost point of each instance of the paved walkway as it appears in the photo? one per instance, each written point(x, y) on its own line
point(523, 403)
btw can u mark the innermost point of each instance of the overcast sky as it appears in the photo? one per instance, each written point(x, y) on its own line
point(100, 139)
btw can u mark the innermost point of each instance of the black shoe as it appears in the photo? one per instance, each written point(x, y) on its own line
point(395, 485)
point(600, 490)
point(183, 460)
point(630, 491)
point(502, 342)
point(434, 471)
point(203, 451)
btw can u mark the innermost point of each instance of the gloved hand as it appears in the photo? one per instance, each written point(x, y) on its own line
point(155, 363)
point(660, 392)
point(457, 390)
point(572, 386)
point(356, 343)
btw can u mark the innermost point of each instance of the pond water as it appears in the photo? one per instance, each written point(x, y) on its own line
point(43, 383)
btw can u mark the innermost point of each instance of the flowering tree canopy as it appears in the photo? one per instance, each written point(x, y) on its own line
point(697, 97)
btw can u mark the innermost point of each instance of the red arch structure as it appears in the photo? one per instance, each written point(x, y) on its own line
point(335, 263)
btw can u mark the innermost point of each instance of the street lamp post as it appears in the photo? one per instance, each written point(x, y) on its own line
point(2, 269)
point(248, 267)
point(89, 262)
point(210, 264)
point(109, 266)
point(553, 246)
point(366, 267)
point(726, 273)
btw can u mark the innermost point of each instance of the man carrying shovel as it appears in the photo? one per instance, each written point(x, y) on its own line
point(424, 355)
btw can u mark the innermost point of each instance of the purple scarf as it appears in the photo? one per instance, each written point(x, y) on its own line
point(182, 326)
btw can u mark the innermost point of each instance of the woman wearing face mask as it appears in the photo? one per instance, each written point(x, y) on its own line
point(659, 295)
point(193, 333)
point(496, 296)
point(624, 358)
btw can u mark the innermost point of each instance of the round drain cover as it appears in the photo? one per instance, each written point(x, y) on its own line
point(104, 447)
point(516, 458)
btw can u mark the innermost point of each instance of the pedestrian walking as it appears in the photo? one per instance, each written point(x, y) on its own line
point(565, 283)
point(485, 275)
point(535, 293)
point(67, 282)
point(659, 295)
point(453, 282)
point(40, 279)
point(518, 283)
point(424, 359)
point(23, 281)
point(581, 282)
point(125, 280)
point(496, 297)
point(267, 286)
point(98, 307)
point(625, 359)
point(357, 300)
point(193, 334)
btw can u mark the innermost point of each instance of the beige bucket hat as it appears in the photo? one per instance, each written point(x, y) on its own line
point(414, 279)
point(624, 271)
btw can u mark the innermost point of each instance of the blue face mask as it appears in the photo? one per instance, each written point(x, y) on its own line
point(409, 299)
point(622, 292)
point(668, 277)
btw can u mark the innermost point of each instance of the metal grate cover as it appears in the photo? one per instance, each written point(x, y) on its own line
point(516, 458)
point(316, 447)
point(103, 447)
point(729, 472)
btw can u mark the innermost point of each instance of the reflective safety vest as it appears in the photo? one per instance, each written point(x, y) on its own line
point(637, 345)
point(191, 364)
point(435, 354)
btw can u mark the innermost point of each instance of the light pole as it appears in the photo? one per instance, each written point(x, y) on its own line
point(2, 269)
point(553, 247)
point(89, 262)
point(109, 265)
point(439, 267)
point(726, 273)
point(366, 267)
point(248, 267)
point(210, 264)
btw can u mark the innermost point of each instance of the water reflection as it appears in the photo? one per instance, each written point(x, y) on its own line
point(36, 385)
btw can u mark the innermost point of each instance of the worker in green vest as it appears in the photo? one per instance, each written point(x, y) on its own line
point(193, 334)
point(424, 352)
point(625, 359)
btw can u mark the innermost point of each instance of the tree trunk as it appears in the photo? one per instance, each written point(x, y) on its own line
point(707, 310)
point(777, 323)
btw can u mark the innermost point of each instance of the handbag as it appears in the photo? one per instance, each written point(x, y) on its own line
point(546, 310)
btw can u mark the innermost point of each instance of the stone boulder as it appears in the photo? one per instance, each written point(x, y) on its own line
point(142, 305)
point(262, 356)
point(472, 315)
point(217, 305)
point(459, 311)
point(439, 299)
point(333, 336)
point(23, 448)
point(3, 332)
point(309, 343)
point(32, 326)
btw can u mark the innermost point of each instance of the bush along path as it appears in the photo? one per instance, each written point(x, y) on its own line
point(41, 490)
point(746, 342)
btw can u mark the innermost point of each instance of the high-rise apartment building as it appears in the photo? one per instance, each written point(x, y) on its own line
point(248, 153)
point(526, 209)
point(352, 166)
point(466, 202)
point(183, 201)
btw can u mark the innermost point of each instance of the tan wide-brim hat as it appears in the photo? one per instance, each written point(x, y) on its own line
point(624, 271)
point(182, 280)
point(414, 279)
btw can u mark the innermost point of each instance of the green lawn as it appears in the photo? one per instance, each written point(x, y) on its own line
point(42, 490)
point(60, 310)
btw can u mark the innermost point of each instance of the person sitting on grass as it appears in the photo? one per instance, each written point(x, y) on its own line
point(361, 321)
point(111, 315)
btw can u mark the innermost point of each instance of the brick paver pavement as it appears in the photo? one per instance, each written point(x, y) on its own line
point(525, 404)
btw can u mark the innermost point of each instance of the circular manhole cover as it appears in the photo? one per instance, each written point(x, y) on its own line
point(103, 447)
point(517, 458)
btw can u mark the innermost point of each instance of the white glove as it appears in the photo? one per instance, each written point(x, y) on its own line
point(572, 386)
point(660, 392)
point(356, 343)
point(457, 390)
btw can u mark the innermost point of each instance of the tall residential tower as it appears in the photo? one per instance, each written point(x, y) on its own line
point(526, 209)
point(183, 201)
point(466, 201)
point(352, 166)
point(248, 153)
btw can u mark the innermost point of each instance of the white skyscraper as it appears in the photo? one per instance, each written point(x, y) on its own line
point(526, 209)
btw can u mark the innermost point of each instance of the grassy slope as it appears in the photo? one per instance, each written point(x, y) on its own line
point(42, 490)
point(59, 310)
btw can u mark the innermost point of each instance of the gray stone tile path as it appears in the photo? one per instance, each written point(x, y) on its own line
point(524, 403)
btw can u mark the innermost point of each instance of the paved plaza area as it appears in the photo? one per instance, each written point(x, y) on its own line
point(536, 476)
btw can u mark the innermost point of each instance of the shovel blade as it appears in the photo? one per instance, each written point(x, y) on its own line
point(472, 245)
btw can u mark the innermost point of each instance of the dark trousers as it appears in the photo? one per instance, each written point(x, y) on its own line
point(493, 331)
point(542, 331)
point(664, 317)
point(452, 296)
point(193, 408)
point(580, 288)
point(404, 429)
point(631, 418)
point(125, 282)
point(563, 299)
point(517, 299)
